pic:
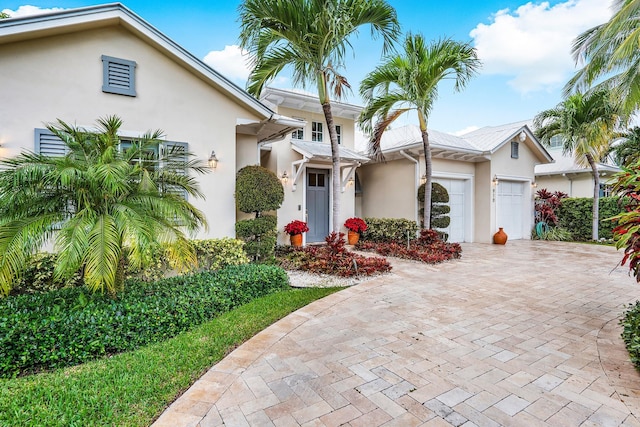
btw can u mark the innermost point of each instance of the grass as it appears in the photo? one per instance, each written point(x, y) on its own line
point(134, 388)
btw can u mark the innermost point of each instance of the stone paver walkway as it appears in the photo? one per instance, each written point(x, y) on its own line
point(520, 335)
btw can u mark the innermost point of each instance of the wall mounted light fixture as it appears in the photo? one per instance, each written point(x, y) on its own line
point(522, 136)
point(284, 177)
point(534, 184)
point(423, 179)
point(495, 180)
point(350, 182)
point(213, 160)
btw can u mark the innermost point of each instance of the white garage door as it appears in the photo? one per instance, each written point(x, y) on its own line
point(456, 189)
point(511, 208)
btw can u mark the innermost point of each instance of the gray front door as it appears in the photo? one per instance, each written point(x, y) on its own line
point(317, 204)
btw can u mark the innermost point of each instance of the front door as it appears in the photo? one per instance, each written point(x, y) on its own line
point(317, 204)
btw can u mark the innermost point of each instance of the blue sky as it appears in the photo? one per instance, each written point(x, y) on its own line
point(524, 46)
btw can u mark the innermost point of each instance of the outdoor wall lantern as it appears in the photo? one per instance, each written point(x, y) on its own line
point(284, 177)
point(213, 160)
point(534, 184)
point(350, 182)
point(423, 179)
point(495, 181)
point(522, 136)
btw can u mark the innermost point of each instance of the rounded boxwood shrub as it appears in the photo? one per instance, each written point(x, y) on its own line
point(67, 327)
point(258, 190)
point(439, 208)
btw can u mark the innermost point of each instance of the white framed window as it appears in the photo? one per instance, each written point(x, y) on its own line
point(48, 144)
point(555, 141)
point(515, 149)
point(316, 131)
point(297, 134)
point(339, 133)
point(118, 76)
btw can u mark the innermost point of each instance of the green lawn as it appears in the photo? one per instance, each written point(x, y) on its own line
point(133, 388)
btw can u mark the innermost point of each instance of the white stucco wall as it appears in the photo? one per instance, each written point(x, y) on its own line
point(61, 77)
point(575, 185)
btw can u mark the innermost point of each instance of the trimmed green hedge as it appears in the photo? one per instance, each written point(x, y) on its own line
point(67, 327)
point(389, 230)
point(575, 215)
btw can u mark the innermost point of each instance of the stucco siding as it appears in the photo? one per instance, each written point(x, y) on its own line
point(347, 126)
point(61, 77)
point(574, 185)
point(389, 190)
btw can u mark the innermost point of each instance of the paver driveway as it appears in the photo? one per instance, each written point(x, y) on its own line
point(524, 334)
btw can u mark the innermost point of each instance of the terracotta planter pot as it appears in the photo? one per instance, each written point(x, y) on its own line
point(296, 240)
point(500, 238)
point(353, 237)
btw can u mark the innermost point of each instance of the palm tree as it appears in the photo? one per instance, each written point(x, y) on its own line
point(627, 151)
point(610, 52)
point(586, 123)
point(409, 81)
point(99, 205)
point(311, 36)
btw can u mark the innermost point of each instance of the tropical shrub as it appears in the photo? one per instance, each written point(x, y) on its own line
point(331, 258)
point(356, 225)
point(627, 231)
point(296, 227)
point(258, 190)
point(101, 203)
point(67, 327)
point(547, 205)
point(389, 230)
point(631, 332)
point(575, 215)
point(39, 276)
point(557, 234)
point(214, 254)
point(428, 248)
point(439, 208)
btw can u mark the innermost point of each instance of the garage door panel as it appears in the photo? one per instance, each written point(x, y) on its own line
point(510, 208)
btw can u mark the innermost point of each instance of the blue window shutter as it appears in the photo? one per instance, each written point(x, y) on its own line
point(47, 144)
point(178, 163)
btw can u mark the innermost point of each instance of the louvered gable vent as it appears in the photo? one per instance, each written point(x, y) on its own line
point(118, 76)
point(48, 144)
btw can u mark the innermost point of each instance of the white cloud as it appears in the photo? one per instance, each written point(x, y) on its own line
point(26, 10)
point(231, 62)
point(533, 43)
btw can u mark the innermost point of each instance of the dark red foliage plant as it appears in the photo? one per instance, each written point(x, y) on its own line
point(547, 204)
point(428, 248)
point(332, 258)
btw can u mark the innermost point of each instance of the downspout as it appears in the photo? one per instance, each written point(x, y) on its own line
point(415, 181)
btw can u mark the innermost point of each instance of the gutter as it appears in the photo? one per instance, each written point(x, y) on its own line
point(415, 181)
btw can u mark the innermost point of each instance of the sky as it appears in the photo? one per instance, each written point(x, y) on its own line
point(525, 48)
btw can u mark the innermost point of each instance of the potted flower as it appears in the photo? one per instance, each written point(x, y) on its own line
point(355, 227)
point(295, 229)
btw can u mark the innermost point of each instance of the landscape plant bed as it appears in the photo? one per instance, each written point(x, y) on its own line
point(67, 327)
point(133, 388)
point(631, 332)
point(428, 248)
point(332, 258)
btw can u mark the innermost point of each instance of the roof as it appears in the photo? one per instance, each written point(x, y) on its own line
point(307, 102)
point(473, 146)
point(72, 20)
point(322, 150)
point(566, 164)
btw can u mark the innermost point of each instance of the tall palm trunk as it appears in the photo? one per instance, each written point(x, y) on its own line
point(596, 197)
point(335, 162)
point(427, 186)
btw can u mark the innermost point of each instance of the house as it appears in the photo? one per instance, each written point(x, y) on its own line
point(81, 64)
point(489, 174)
point(566, 175)
point(303, 161)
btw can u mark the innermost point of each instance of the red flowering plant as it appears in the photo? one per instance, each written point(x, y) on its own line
point(356, 224)
point(296, 227)
point(547, 204)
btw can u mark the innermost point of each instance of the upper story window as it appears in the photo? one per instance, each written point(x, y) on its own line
point(298, 134)
point(515, 148)
point(316, 131)
point(118, 76)
point(339, 133)
point(555, 141)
